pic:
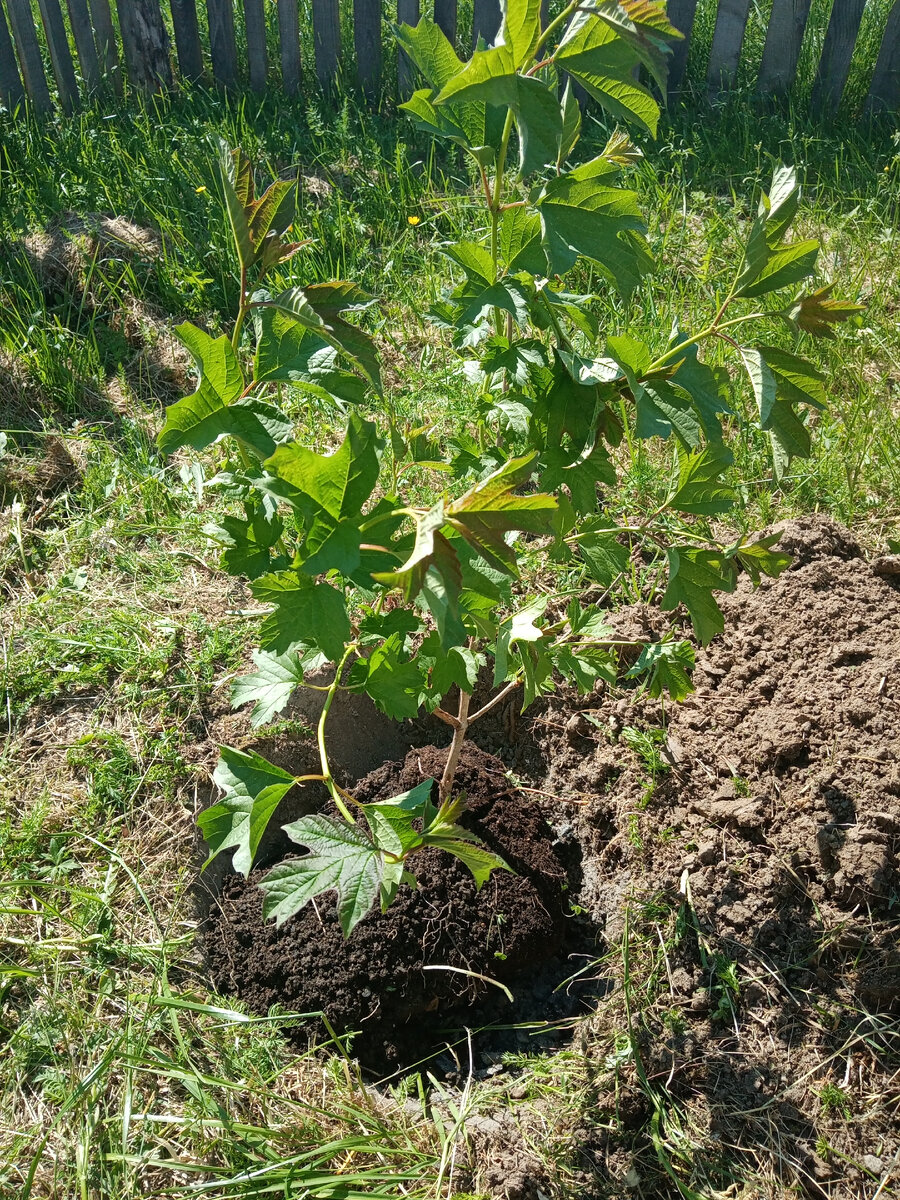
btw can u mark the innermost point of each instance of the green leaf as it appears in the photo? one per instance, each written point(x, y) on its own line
point(272, 215)
point(605, 557)
point(539, 120)
point(236, 177)
point(270, 687)
point(477, 301)
point(582, 215)
point(338, 483)
point(430, 550)
point(667, 665)
point(287, 352)
point(441, 596)
point(781, 204)
point(341, 858)
point(477, 858)
point(782, 268)
point(490, 509)
point(518, 629)
point(571, 125)
point(215, 409)
point(490, 75)
point(318, 308)
point(253, 789)
point(247, 544)
point(694, 574)
point(595, 54)
point(393, 681)
point(391, 821)
point(474, 259)
point(663, 408)
point(789, 436)
point(520, 241)
point(332, 547)
point(707, 387)
point(797, 380)
point(312, 613)
point(758, 558)
point(700, 489)
point(427, 46)
point(584, 666)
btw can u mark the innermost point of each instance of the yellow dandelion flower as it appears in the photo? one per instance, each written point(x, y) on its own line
point(200, 189)
point(414, 220)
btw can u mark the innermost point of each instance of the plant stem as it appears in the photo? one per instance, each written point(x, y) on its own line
point(242, 313)
point(562, 19)
point(510, 687)
point(334, 791)
point(498, 189)
point(459, 736)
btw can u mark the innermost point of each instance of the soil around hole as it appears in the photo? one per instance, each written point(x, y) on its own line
point(514, 930)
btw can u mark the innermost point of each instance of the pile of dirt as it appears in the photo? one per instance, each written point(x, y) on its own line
point(400, 974)
point(738, 855)
point(765, 840)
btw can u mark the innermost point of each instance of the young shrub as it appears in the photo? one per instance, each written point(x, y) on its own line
point(407, 602)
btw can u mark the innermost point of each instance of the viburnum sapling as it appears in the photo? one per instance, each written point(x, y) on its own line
point(409, 603)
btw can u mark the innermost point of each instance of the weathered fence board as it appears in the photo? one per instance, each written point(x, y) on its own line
point(11, 90)
point(326, 41)
point(728, 38)
point(289, 34)
point(257, 54)
point(407, 14)
point(108, 54)
point(30, 46)
point(885, 91)
point(22, 21)
point(784, 38)
point(834, 65)
point(367, 44)
point(485, 20)
point(446, 15)
point(80, 22)
point(222, 44)
point(681, 14)
point(187, 39)
point(60, 55)
point(145, 43)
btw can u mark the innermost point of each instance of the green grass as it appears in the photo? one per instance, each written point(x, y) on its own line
point(121, 1074)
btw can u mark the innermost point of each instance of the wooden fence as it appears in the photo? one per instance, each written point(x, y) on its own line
point(58, 55)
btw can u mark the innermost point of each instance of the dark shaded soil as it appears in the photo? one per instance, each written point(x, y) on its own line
point(375, 982)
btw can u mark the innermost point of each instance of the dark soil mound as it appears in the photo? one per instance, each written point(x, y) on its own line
point(374, 982)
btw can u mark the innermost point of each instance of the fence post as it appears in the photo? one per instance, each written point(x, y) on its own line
point(22, 22)
point(11, 91)
point(728, 37)
point(289, 37)
point(834, 65)
point(681, 13)
point(222, 47)
point(146, 44)
point(407, 14)
point(60, 55)
point(445, 17)
point(367, 44)
point(784, 38)
point(485, 20)
point(326, 41)
point(885, 90)
point(257, 57)
point(101, 18)
point(80, 20)
point(187, 39)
